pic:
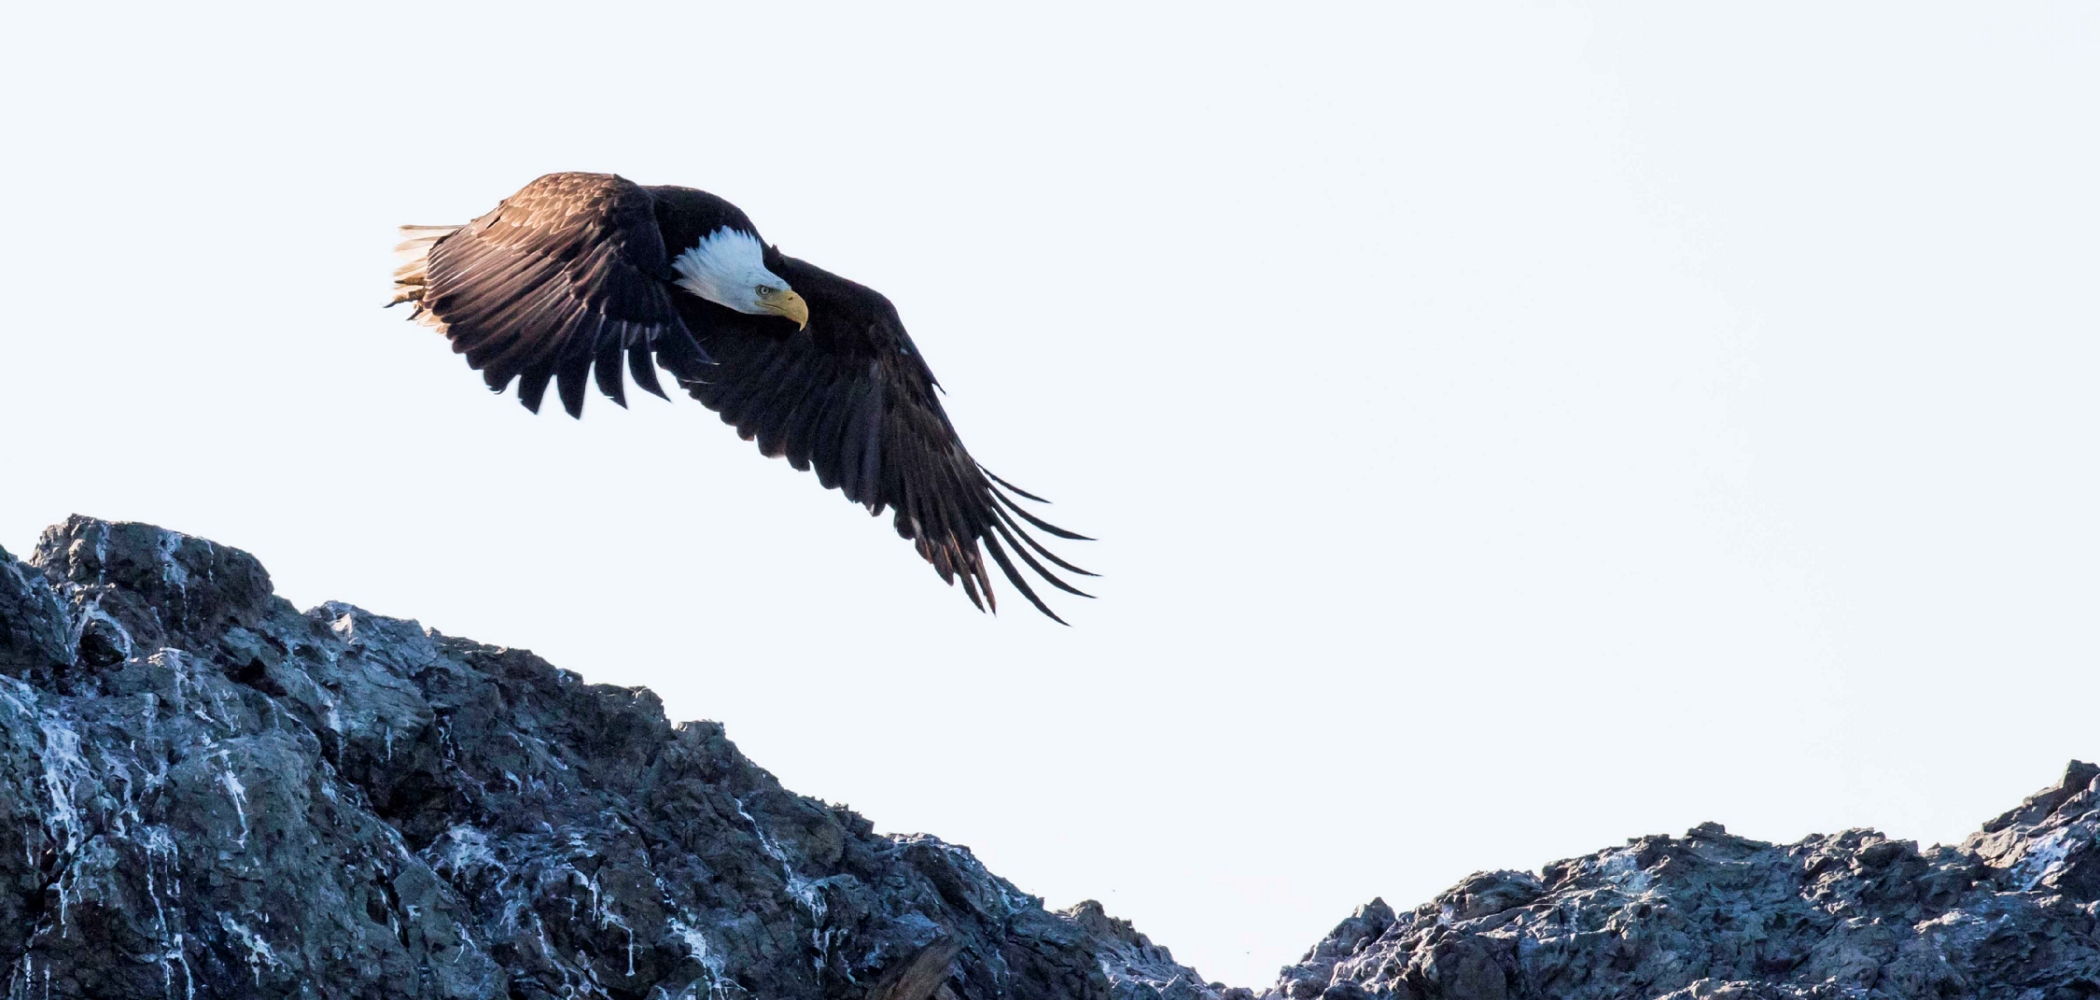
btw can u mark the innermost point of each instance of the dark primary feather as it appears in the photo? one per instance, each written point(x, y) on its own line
point(850, 398)
point(570, 278)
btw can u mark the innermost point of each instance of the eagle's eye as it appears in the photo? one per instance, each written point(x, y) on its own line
point(764, 290)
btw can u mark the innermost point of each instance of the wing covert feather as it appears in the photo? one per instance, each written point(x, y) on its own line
point(557, 281)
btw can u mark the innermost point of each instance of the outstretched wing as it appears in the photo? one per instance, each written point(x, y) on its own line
point(849, 397)
point(568, 273)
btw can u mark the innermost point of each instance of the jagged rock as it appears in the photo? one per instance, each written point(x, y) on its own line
point(2052, 842)
point(1138, 969)
point(206, 793)
point(33, 639)
point(2013, 913)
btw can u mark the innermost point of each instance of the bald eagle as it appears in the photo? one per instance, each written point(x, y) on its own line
point(579, 274)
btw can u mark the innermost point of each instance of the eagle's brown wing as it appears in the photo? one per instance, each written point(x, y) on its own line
point(568, 273)
point(573, 272)
point(850, 397)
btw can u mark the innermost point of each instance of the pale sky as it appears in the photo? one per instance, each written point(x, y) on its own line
point(1509, 428)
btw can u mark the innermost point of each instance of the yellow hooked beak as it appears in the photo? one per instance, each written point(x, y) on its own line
point(785, 302)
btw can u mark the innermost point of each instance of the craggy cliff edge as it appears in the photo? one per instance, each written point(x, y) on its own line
point(206, 793)
point(2010, 914)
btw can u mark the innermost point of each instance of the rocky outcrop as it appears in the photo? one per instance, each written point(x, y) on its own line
point(207, 793)
point(2013, 913)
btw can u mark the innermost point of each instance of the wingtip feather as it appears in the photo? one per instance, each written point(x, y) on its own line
point(1037, 521)
point(1014, 577)
point(1010, 486)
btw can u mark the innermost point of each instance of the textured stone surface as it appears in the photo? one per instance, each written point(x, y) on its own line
point(207, 793)
point(2012, 913)
point(33, 627)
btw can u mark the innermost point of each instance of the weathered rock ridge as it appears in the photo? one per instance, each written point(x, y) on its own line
point(207, 793)
point(2011, 913)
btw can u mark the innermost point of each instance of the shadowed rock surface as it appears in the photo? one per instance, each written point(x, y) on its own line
point(2011, 914)
point(206, 793)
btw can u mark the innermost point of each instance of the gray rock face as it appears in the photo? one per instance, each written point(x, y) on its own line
point(206, 793)
point(2013, 913)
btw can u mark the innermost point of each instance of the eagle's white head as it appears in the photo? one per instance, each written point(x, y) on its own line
point(728, 268)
